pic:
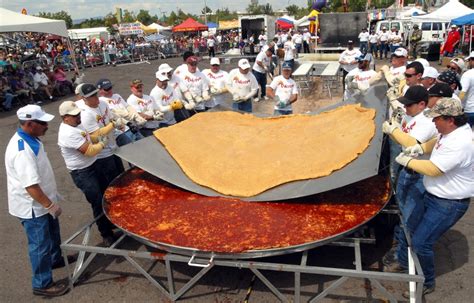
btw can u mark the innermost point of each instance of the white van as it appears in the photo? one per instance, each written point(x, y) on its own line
point(433, 31)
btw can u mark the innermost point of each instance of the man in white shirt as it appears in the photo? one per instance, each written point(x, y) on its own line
point(363, 41)
point(359, 78)
point(146, 107)
point(448, 180)
point(284, 91)
point(195, 85)
point(120, 108)
point(80, 154)
point(467, 90)
point(298, 41)
point(217, 80)
point(306, 40)
point(384, 37)
point(97, 120)
point(261, 68)
point(165, 99)
point(243, 86)
point(211, 43)
point(33, 198)
point(290, 53)
point(348, 60)
point(373, 43)
point(395, 39)
point(41, 82)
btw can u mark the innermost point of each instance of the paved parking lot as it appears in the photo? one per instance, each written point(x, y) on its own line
point(114, 280)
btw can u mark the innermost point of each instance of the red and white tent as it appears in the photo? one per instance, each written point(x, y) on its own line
point(190, 25)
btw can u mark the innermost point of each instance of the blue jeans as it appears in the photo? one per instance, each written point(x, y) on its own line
point(44, 242)
point(393, 48)
point(395, 150)
point(87, 180)
point(278, 112)
point(245, 106)
point(409, 195)
point(383, 49)
point(363, 47)
point(373, 49)
point(262, 82)
point(7, 103)
point(439, 216)
point(128, 137)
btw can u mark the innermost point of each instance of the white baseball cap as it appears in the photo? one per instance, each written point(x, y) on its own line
point(459, 62)
point(77, 91)
point(471, 55)
point(69, 108)
point(400, 52)
point(430, 72)
point(215, 61)
point(244, 63)
point(162, 75)
point(164, 68)
point(423, 62)
point(33, 112)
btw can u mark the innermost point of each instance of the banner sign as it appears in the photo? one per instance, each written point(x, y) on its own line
point(130, 29)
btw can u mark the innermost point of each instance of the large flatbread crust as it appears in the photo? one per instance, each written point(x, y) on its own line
point(242, 155)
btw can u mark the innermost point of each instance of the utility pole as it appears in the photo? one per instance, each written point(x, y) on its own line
point(205, 12)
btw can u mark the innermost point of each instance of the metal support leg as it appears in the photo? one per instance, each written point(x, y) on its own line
point(325, 292)
point(383, 290)
point(358, 259)
point(191, 282)
point(304, 258)
point(270, 286)
point(170, 277)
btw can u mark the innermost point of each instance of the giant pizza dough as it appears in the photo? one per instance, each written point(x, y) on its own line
point(243, 155)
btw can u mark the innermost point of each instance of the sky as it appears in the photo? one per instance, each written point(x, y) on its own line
point(79, 9)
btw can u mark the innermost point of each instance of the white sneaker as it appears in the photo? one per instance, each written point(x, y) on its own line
point(256, 99)
point(266, 98)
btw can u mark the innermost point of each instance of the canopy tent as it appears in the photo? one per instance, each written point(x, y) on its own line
point(284, 24)
point(16, 22)
point(451, 10)
point(230, 24)
point(190, 25)
point(413, 11)
point(211, 25)
point(464, 20)
point(88, 33)
point(147, 29)
point(159, 28)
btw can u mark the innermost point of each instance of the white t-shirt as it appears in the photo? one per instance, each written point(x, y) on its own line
point(397, 71)
point(144, 104)
point(163, 99)
point(307, 36)
point(467, 83)
point(289, 48)
point(298, 38)
point(211, 42)
point(384, 36)
point(24, 168)
point(196, 83)
point(373, 38)
point(349, 56)
point(284, 88)
point(361, 77)
point(242, 84)
point(40, 78)
point(180, 70)
point(94, 118)
point(262, 57)
point(69, 140)
point(262, 39)
point(175, 82)
point(453, 154)
point(395, 39)
point(419, 127)
point(216, 81)
point(364, 36)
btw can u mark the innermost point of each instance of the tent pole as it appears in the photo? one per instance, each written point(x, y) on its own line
point(73, 55)
point(470, 41)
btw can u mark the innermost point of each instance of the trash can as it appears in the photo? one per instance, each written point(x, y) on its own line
point(430, 51)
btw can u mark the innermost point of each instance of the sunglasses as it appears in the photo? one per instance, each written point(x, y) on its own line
point(107, 89)
point(40, 122)
point(409, 75)
point(454, 68)
point(214, 65)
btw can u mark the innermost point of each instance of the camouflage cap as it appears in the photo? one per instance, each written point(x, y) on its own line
point(445, 107)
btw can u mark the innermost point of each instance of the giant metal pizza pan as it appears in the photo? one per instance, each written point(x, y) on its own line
point(248, 254)
point(150, 155)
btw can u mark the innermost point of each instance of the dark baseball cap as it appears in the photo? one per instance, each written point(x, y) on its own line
point(187, 54)
point(104, 84)
point(440, 90)
point(87, 90)
point(450, 77)
point(414, 94)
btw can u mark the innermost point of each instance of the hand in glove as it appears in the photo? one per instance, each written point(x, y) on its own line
point(149, 114)
point(175, 105)
point(104, 140)
point(205, 96)
point(190, 105)
point(403, 159)
point(138, 119)
point(282, 104)
point(236, 98)
point(198, 99)
point(119, 123)
point(223, 90)
point(389, 128)
point(353, 85)
point(413, 151)
point(158, 116)
point(214, 91)
point(54, 210)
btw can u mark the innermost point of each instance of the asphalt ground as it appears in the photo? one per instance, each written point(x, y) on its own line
point(113, 279)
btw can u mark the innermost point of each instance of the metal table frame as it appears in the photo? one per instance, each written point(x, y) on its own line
point(415, 277)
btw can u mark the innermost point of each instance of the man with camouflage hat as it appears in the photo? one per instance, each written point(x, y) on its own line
point(448, 180)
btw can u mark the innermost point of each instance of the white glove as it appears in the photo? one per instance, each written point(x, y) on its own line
point(236, 98)
point(149, 113)
point(214, 91)
point(250, 95)
point(158, 116)
point(282, 104)
point(206, 96)
point(119, 123)
point(413, 151)
point(138, 119)
point(190, 105)
point(389, 128)
point(403, 159)
point(54, 210)
point(198, 99)
point(188, 96)
point(353, 85)
point(104, 140)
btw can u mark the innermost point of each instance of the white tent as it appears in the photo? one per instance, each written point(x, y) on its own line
point(158, 27)
point(408, 13)
point(447, 12)
point(16, 22)
point(88, 33)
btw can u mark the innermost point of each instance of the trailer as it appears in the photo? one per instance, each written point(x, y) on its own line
point(256, 24)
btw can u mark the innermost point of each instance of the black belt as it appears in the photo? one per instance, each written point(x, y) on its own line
point(465, 200)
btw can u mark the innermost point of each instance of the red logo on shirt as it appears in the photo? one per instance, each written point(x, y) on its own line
point(407, 129)
point(237, 80)
point(189, 79)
